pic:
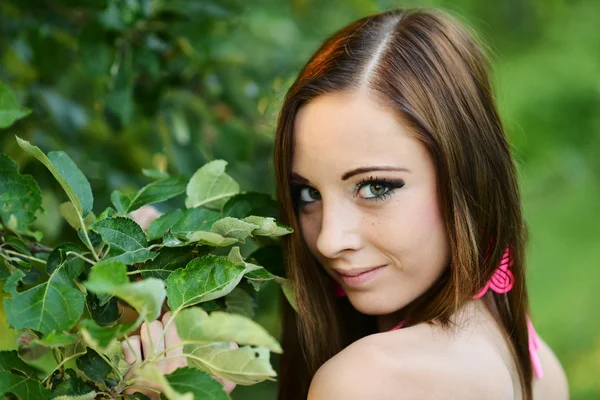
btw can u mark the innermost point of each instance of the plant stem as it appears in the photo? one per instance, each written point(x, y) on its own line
point(132, 351)
point(150, 338)
point(182, 343)
point(111, 365)
point(87, 238)
point(162, 335)
point(35, 247)
point(62, 363)
point(16, 253)
point(82, 257)
point(138, 271)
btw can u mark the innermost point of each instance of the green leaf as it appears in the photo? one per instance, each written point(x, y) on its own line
point(20, 196)
point(134, 257)
point(59, 256)
point(11, 362)
point(145, 296)
point(4, 270)
point(267, 226)
point(155, 174)
point(72, 387)
point(18, 245)
point(233, 227)
point(93, 365)
point(196, 219)
point(245, 204)
point(152, 374)
point(107, 213)
point(66, 172)
point(168, 260)
point(10, 110)
point(121, 201)
point(288, 291)
point(157, 191)
point(126, 239)
point(67, 169)
point(256, 272)
point(204, 278)
point(69, 213)
point(54, 339)
point(54, 305)
point(244, 366)
point(22, 386)
point(101, 338)
point(200, 384)
point(11, 284)
point(88, 396)
point(160, 225)
point(210, 239)
point(103, 314)
point(240, 302)
point(195, 325)
point(210, 186)
point(170, 240)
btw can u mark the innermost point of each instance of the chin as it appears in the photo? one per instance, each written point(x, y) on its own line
point(372, 304)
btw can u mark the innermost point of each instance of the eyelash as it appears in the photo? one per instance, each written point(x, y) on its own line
point(390, 185)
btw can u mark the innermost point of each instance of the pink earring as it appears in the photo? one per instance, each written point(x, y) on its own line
point(503, 279)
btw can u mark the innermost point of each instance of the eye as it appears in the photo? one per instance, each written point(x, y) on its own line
point(371, 190)
point(377, 189)
point(308, 194)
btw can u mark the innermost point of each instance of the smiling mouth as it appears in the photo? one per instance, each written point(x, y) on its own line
point(358, 271)
point(360, 276)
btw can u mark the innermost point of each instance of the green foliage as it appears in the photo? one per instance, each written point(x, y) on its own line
point(10, 110)
point(72, 309)
point(20, 197)
point(166, 86)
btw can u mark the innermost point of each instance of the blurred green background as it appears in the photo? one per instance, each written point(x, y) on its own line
point(122, 85)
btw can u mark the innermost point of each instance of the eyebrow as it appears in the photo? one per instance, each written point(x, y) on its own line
point(362, 170)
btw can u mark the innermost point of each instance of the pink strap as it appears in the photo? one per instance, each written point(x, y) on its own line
point(534, 345)
point(400, 325)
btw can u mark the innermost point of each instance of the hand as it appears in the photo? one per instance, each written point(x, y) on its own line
point(142, 348)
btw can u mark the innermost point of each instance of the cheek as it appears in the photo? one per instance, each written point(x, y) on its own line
point(430, 232)
point(416, 235)
point(309, 226)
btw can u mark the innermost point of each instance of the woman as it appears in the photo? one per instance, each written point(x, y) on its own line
point(408, 258)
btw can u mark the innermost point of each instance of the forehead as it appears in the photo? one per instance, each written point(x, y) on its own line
point(337, 132)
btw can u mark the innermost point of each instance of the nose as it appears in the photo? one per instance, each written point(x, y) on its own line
point(340, 229)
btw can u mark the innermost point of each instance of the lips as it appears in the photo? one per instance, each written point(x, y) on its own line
point(357, 271)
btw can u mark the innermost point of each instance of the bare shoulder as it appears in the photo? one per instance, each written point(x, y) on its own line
point(414, 363)
point(553, 385)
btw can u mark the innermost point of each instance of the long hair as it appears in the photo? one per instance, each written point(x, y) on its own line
point(431, 70)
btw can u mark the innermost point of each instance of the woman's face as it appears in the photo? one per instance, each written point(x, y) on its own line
point(367, 197)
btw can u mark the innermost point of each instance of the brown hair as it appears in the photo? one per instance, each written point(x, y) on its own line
point(430, 69)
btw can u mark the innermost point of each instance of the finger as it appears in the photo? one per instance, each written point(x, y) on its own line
point(134, 352)
point(150, 334)
point(171, 339)
point(228, 386)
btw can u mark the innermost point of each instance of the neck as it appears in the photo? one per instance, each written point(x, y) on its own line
point(472, 308)
point(388, 321)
